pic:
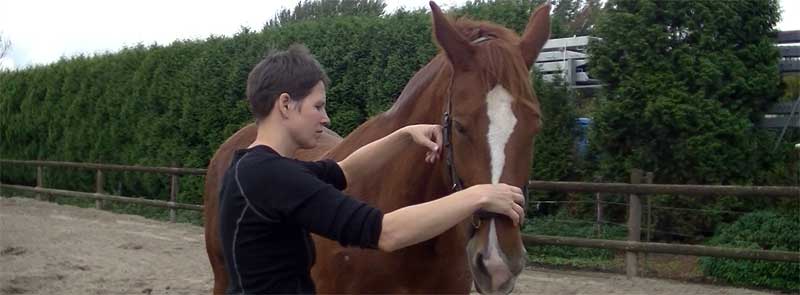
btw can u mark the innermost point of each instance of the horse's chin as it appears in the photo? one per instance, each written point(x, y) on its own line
point(506, 289)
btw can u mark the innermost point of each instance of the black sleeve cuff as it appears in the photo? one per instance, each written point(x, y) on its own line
point(373, 230)
point(335, 175)
point(363, 227)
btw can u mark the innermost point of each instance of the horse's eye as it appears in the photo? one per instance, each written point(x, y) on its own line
point(459, 128)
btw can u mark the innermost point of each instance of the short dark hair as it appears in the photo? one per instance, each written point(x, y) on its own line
point(294, 71)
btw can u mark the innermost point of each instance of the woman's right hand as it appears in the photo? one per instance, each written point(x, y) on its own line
point(501, 199)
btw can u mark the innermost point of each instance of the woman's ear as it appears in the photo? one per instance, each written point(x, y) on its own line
point(283, 104)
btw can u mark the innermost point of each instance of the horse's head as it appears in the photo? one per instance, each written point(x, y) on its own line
point(494, 115)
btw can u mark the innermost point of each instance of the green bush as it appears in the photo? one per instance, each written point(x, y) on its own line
point(682, 101)
point(680, 98)
point(764, 230)
point(554, 145)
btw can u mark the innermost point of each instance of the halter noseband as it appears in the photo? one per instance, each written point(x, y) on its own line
point(447, 131)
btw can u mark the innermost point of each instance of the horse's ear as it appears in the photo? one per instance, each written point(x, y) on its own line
point(457, 48)
point(536, 34)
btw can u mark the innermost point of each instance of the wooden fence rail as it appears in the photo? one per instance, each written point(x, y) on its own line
point(109, 167)
point(99, 196)
point(693, 250)
point(106, 197)
point(666, 189)
point(636, 190)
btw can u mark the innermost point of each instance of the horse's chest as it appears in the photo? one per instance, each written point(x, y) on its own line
point(434, 266)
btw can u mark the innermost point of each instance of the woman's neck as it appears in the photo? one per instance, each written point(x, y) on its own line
point(276, 138)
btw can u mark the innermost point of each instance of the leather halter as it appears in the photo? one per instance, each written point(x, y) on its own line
point(447, 131)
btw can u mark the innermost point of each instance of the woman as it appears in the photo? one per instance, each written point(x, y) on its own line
point(269, 203)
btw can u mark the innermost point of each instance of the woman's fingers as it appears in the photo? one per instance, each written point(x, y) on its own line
point(519, 198)
point(437, 135)
point(516, 194)
point(505, 199)
point(428, 136)
point(520, 211)
point(431, 157)
point(432, 146)
point(515, 189)
point(514, 215)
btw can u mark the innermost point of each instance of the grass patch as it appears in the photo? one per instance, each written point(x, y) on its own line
point(559, 225)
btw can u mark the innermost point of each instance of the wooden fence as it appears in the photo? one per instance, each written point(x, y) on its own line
point(636, 190)
point(100, 195)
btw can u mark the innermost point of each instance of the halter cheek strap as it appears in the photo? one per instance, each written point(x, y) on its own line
point(447, 130)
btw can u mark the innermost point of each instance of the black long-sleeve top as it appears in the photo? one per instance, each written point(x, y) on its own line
point(268, 206)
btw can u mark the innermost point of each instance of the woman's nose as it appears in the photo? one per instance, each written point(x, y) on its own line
point(325, 120)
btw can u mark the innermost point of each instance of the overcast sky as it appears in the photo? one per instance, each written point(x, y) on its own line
point(42, 31)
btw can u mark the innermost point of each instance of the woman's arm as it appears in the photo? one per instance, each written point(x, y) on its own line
point(413, 224)
point(365, 161)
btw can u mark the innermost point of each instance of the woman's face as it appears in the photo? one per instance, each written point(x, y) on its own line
point(308, 118)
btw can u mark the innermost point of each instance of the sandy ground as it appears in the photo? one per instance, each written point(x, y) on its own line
point(47, 248)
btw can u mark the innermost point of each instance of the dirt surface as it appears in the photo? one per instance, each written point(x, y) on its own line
point(47, 248)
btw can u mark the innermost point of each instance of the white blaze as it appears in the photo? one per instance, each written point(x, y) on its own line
point(501, 124)
point(494, 261)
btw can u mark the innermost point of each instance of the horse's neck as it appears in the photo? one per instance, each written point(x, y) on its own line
point(420, 103)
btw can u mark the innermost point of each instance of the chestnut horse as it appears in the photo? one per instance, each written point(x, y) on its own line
point(480, 84)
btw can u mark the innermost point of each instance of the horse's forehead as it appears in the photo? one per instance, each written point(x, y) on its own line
point(480, 99)
point(475, 29)
point(473, 107)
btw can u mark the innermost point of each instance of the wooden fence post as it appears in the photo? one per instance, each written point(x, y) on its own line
point(39, 181)
point(634, 225)
point(797, 148)
point(598, 223)
point(649, 227)
point(173, 194)
point(99, 183)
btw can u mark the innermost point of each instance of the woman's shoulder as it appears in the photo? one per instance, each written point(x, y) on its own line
point(264, 161)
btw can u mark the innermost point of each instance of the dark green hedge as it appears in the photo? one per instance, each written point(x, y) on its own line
point(175, 104)
point(763, 230)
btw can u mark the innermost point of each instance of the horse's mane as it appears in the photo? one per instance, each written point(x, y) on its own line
point(498, 61)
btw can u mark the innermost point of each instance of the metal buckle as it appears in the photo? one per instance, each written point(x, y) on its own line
point(476, 224)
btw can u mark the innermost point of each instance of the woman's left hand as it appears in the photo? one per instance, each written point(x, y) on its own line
point(428, 136)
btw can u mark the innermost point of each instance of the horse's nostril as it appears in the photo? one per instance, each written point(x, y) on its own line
point(479, 263)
